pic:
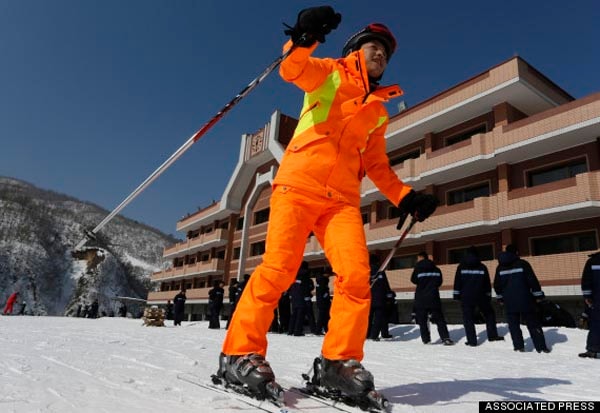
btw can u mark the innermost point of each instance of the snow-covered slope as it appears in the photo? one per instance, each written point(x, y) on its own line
point(62, 364)
point(38, 231)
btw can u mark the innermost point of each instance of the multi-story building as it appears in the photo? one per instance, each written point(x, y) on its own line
point(512, 157)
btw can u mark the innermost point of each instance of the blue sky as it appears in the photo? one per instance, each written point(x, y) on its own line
point(95, 95)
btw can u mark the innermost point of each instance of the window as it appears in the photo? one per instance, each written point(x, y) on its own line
point(261, 216)
point(468, 193)
point(224, 224)
point(204, 257)
point(365, 217)
point(258, 248)
point(463, 136)
point(406, 261)
point(557, 244)
point(396, 160)
point(220, 254)
point(239, 224)
point(393, 212)
point(456, 255)
point(236, 253)
point(557, 172)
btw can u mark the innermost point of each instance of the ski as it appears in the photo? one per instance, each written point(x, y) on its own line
point(374, 401)
point(304, 392)
point(270, 406)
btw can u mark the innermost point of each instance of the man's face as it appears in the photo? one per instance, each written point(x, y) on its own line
point(375, 58)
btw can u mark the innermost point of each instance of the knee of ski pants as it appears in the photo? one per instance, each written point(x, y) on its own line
point(353, 284)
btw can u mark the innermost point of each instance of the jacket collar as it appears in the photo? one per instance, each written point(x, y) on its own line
point(356, 65)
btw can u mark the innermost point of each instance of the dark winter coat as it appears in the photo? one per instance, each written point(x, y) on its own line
point(215, 301)
point(516, 284)
point(179, 303)
point(428, 279)
point(472, 281)
point(308, 285)
point(299, 289)
point(233, 292)
point(239, 290)
point(322, 294)
point(590, 279)
point(215, 296)
point(380, 288)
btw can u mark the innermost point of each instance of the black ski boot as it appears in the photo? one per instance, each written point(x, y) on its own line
point(347, 376)
point(250, 375)
point(346, 381)
point(590, 354)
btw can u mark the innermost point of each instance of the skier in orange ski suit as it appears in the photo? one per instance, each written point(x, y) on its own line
point(339, 138)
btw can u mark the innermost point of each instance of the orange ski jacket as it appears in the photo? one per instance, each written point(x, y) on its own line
point(340, 134)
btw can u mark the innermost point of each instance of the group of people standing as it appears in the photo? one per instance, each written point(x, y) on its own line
point(294, 309)
point(517, 290)
point(516, 286)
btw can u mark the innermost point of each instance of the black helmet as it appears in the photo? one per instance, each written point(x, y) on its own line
point(374, 31)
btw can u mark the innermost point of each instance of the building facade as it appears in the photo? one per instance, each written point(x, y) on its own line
point(512, 157)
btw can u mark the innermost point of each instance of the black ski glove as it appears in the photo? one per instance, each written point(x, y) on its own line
point(420, 206)
point(313, 24)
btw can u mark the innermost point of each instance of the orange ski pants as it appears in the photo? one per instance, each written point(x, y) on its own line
point(338, 227)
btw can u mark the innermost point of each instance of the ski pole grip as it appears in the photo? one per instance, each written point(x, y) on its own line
point(401, 221)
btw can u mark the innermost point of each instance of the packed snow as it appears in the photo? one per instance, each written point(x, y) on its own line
point(62, 364)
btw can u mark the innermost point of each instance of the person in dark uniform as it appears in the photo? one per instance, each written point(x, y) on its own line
point(391, 309)
point(284, 309)
point(473, 288)
point(169, 310)
point(232, 291)
point(590, 287)
point(308, 286)
point(517, 289)
point(428, 279)
point(122, 310)
point(23, 307)
point(297, 294)
point(237, 293)
point(215, 304)
point(323, 297)
point(178, 307)
point(94, 309)
point(378, 320)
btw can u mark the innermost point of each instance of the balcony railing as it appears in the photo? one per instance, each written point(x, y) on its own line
point(527, 133)
point(191, 294)
point(198, 215)
point(215, 238)
point(581, 192)
point(216, 266)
